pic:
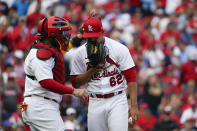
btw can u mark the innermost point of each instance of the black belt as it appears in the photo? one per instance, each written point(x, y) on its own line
point(105, 95)
point(43, 97)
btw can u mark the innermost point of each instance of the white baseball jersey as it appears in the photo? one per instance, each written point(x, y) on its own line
point(111, 78)
point(41, 69)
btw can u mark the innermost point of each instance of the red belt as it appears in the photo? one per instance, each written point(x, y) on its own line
point(43, 97)
point(105, 95)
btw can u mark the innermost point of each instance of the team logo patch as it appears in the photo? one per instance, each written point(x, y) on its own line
point(90, 28)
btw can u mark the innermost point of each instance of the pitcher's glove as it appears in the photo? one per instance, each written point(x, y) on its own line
point(96, 54)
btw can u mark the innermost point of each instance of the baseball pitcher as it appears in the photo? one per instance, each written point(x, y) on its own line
point(107, 69)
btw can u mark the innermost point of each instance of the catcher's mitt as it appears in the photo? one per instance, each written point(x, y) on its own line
point(96, 54)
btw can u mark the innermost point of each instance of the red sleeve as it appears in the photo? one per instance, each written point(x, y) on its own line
point(72, 79)
point(130, 75)
point(56, 87)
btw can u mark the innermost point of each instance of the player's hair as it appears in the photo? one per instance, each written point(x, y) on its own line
point(48, 41)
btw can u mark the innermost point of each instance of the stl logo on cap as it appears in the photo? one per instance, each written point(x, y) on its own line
point(90, 28)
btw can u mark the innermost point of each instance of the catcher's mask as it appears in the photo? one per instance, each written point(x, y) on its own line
point(55, 27)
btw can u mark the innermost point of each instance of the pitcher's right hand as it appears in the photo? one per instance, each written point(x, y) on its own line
point(81, 93)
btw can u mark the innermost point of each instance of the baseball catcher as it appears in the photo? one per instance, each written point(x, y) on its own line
point(45, 76)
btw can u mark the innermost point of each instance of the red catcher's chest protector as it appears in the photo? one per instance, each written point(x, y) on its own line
point(45, 52)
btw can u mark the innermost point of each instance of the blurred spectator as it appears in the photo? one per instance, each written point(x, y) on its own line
point(146, 37)
point(189, 93)
point(8, 2)
point(16, 121)
point(172, 5)
point(153, 94)
point(74, 16)
point(21, 35)
point(83, 117)
point(185, 51)
point(136, 51)
point(181, 17)
point(173, 100)
point(46, 4)
point(153, 57)
point(192, 28)
point(3, 57)
point(189, 125)
point(3, 8)
point(188, 69)
point(166, 124)
point(133, 5)
point(146, 119)
point(170, 37)
point(5, 33)
point(34, 17)
point(9, 96)
point(7, 126)
point(148, 6)
point(9, 71)
point(19, 64)
point(70, 120)
point(172, 57)
point(137, 20)
point(13, 16)
point(159, 23)
point(189, 113)
point(170, 80)
point(22, 6)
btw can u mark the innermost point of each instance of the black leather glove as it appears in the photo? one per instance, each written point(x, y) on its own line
point(96, 54)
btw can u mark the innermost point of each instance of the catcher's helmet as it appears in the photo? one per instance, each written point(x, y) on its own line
point(55, 27)
point(51, 26)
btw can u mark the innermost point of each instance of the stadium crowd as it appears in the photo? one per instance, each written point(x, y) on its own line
point(161, 36)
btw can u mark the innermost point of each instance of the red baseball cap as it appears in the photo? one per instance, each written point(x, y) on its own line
point(92, 28)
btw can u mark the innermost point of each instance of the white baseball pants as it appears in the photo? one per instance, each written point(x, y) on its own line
point(109, 114)
point(42, 115)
